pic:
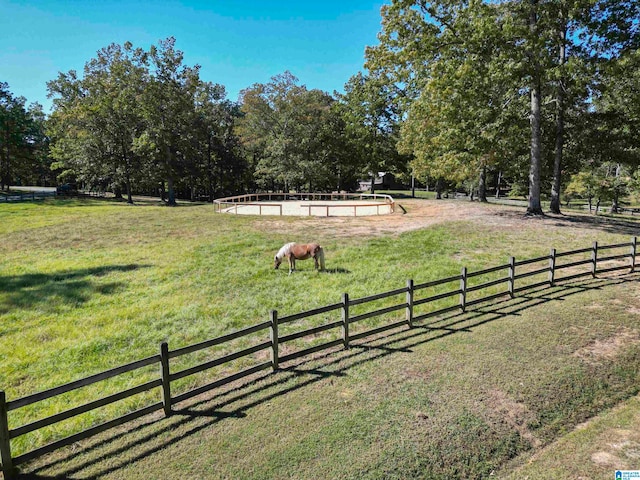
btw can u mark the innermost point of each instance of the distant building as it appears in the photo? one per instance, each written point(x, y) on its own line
point(383, 181)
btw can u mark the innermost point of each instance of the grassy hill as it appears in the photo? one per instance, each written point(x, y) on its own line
point(89, 285)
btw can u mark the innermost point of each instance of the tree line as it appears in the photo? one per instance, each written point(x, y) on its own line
point(544, 92)
point(141, 121)
point(24, 144)
point(540, 96)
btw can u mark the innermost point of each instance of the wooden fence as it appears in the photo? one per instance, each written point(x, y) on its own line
point(26, 197)
point(260, 200)
point(413, 301)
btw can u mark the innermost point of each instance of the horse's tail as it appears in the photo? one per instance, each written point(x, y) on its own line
point(321, 257)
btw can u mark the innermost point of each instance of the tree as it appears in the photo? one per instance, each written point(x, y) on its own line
point(12, 121)
point(167, 107)
point(267, 129)
point(139, 119)
point(588, 36)
point(22, 142)
point(96, 122)
point(36, 171)
point(372, 125)
point(292, 135)
point(437, 52)
point(456, 61)
point(220, 167)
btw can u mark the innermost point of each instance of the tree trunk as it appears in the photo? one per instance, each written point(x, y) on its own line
point(4, 166)
point(535, 207)
point(172, 193)
point(128, 186)
point(439, 188)
point(557, 163)
point(209, 170)
point(615, 202)
point(498, 184)
point(482, 185)
point(373, 183)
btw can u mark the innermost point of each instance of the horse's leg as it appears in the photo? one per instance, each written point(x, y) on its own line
point(315, 258)
point(292, 263)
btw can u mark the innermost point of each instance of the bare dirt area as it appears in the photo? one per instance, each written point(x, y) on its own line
point(609, 347)
point(415, 214)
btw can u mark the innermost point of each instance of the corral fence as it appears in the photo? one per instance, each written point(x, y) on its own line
point(43, 195)
point(262, 201)
point(416, 297)
point(26, 196)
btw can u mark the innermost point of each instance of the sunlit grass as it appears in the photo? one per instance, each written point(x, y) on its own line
point(87, 285)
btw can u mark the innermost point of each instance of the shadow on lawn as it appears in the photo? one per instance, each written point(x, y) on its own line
point(608, 224)
point(144, 439)
point(70, 286)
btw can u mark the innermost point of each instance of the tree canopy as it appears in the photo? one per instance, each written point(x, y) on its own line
point(539, 93)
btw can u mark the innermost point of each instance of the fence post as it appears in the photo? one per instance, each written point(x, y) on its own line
point(594, 259)
point(166, 379)
point(552, 266)
point(345, 320)
point(5, 445)
point(634, 245)
point(463, 289)
point(273, 333)
point(512, 275)
point(410, 303)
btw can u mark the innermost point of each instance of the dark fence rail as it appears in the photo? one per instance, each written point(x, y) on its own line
point(272, 344)
point(26, 196)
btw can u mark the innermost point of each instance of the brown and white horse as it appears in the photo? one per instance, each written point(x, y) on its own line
point(300, 251)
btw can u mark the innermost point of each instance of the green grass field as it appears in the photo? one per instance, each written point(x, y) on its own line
point(88, 285)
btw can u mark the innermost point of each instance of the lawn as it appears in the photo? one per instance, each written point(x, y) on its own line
point(86, 285)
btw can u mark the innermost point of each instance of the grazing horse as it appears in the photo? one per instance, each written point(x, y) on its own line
point(299, 251)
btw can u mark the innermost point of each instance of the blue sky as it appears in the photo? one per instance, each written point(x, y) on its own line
point(237, 43)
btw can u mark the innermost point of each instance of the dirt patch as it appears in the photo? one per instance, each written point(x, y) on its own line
point(623, 453)
point(606, 459)
point(420, 214)
point(517, 415)
point(608, 348)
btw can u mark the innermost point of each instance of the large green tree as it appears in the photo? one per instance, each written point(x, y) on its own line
point(167, 108)
point(587, 37)
point(96, 119)
point(142, 119)
point(459, 68)
point(468, 116)
point(372, 124)
point(218, 166)
point(440, 52)
point(23, 144)
point(292, 135)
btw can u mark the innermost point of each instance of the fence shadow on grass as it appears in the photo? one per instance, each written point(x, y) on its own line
point(126, 445)
point(76, 286)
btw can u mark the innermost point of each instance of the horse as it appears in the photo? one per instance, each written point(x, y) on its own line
point(299, 251)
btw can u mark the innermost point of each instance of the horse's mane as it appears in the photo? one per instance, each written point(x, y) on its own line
point(284, 250)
